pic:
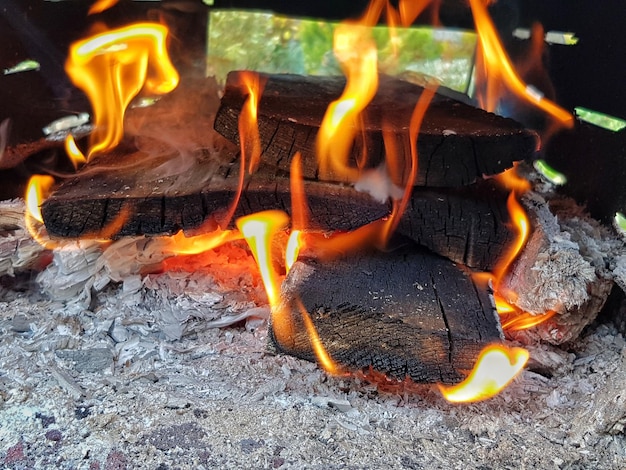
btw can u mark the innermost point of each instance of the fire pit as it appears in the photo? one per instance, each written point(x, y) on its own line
point(389, 230)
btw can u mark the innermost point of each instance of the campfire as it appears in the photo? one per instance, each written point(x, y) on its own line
point(396, 232)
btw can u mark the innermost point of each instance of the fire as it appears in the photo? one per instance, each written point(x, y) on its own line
point(101, 5)
point(259, 230)
point(182, 245)
point(524, 320)
point(322, 355)
point(73, 152)
point(496, 366)
point(248, 122)
point(498, 70)
point(37, 190)
point(522, 228)
point(112, 68)
point(357, 54)
point(512, 181)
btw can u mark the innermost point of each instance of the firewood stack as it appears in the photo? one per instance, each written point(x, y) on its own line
point(414, 311)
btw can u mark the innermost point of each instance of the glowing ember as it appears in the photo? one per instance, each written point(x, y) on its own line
point(499, 71)
point(259, 230)
point(73, 152)
point(112, 67)
point(496, 366)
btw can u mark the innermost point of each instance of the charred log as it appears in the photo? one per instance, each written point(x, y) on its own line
point(406, 314)
point(457, 145)
point(469, 225)
point(136, 201)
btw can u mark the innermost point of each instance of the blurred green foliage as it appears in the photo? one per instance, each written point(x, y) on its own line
point(275, 44)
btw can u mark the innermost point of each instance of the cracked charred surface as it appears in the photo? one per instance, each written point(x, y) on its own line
point(457, 144)
point(408, 313)
point(87, 205)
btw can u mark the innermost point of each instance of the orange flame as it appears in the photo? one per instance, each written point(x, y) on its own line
point(499, 71)
point(248, 121)
point(101, 5)
point(259, 230)
point(415, 124)
point(511, 180)
point(73, 152)
point(182, 245)
point(323, 358)
point(524, 320)
point(37, 190)
point(112, 67)
point(522, 227)
point(496, 366)
point(357, 54)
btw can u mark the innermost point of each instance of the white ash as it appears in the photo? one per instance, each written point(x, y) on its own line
point(377, 183)
point(130, 372)
point(111, 385)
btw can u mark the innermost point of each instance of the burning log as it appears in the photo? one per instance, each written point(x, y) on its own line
point(469, 225)
point(457, 144)
point(567, 267)
point(144, 203)
point(406, 313)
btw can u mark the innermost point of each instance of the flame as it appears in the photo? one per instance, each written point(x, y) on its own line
point(37, 190)
point(524, 320)
point(73, 152)
point(357, 54)
point(323, 358)
point(511, 180)
point(101, 5)
point(112, 67)
point(498, 70)
point(248, 121)
point(415, 124)
point(182, 245)
point(259, 230)
point(496, 366)
point(522, 228)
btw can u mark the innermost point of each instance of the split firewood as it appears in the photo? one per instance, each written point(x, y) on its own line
point(408, 313)
point(457, 143)
point(565, 267)
point(138, 201)
point(470, 225)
